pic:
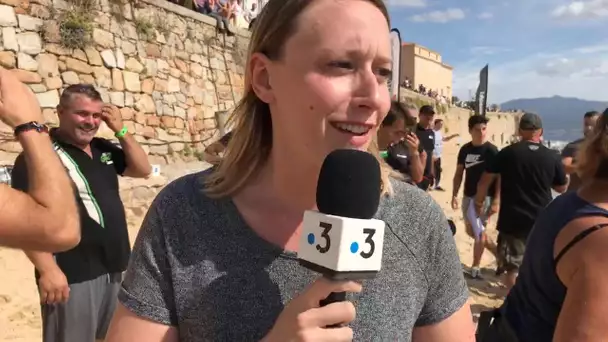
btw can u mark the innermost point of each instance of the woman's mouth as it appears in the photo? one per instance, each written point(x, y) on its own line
point(352, 128)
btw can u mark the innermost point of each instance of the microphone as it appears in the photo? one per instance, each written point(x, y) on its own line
point(342, 241)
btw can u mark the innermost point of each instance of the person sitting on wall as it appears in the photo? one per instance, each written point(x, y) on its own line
point(213, 152)
point(218, 10)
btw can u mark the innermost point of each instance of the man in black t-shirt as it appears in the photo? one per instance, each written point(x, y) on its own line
point(426, 135)
point(528, 172)
point(78, 288)
point(568, 153)
point(472, 160)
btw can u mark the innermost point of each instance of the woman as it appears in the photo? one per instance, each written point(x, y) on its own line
point(403, 151)
point(215, 259)
point(561, 293)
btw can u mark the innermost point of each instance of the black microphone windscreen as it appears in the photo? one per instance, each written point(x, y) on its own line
point(349, 184)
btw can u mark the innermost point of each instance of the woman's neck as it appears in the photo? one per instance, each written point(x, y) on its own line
point(273, 203)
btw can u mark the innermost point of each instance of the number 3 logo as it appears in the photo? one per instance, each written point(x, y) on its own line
point(325, 235)
point(368, 240)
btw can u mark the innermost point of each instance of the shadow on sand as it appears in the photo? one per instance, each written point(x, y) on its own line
point(489, 287)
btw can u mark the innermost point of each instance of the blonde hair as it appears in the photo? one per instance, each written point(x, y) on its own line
point(250, 145)
point(592, 155)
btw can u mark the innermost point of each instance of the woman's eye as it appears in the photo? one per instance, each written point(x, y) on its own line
point(384, 72)
point(341, 64)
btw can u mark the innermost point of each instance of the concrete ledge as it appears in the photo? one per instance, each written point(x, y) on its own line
point(184, 12)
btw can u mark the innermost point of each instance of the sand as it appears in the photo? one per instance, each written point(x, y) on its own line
point(20, 312)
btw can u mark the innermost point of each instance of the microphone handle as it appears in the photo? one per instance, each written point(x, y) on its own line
point(334, 297)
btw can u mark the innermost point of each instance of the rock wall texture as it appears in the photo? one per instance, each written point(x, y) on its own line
point(163, 65)
point(501, 127)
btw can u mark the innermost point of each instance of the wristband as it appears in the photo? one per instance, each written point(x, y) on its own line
point(121, 133)
point(31, 126)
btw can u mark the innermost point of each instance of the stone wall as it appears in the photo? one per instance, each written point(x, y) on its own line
point(501, 127)
point(163, 65)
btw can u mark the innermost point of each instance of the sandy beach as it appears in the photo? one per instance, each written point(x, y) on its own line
point(19, 303)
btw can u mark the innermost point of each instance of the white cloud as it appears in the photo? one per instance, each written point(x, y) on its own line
point(439, 16)
point(579, 72)
point(488, 50)
point(407, 3)
point(485, 15)
point(588, 9)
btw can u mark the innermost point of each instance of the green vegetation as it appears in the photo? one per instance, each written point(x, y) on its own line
point(144, 27)
point(75, 28)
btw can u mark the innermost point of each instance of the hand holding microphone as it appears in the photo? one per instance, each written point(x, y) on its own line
point(304, 320)
point(343, 243)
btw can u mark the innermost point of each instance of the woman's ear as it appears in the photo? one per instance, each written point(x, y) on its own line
point(260, 77)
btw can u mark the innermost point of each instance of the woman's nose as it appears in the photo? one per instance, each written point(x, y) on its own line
point(368, 91)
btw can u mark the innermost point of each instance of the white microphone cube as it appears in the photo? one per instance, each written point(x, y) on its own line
point(340, 247)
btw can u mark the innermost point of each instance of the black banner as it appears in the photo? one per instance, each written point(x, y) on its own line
point(481, 96)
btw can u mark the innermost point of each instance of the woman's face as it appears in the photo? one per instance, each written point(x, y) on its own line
point(329, 89)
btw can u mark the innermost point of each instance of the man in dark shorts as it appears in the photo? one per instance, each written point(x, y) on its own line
point(426, 135)
point(528, 171)
point(472, 160)
point(568, 153)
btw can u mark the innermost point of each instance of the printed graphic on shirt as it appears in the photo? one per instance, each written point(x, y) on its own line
point(472, 160)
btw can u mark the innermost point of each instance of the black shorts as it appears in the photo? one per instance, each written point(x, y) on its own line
point(425, 183)
point(510, 252)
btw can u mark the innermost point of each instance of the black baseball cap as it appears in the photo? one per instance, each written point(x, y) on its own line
point(530, 122)
point(476, 120)
point(427, 110)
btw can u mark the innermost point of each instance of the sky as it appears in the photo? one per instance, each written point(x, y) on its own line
point(534, 48)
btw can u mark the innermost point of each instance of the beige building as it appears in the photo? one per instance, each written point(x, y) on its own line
point(424, 66)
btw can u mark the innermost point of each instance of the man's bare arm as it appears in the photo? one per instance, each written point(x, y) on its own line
point(44, 218)
point(484, 185)
point(450, 137)
point(138, 165)
point(569, 165)
point(497, 189)
point(457, 180)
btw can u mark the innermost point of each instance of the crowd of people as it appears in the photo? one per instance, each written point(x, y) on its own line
point(423, 90)
point(230, 14)
point(216, 256)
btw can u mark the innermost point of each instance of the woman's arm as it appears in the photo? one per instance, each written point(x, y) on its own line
point(457, 327)
point(146, 310)
point(583, 271)
point(446, 315)
point(127, 327)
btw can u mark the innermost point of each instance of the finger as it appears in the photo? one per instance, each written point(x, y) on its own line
point(50, 297)
point(65, 294)
point(59, 296)
point(343, 334)
point(43, 296)
point(322, 287)
point(334, 313)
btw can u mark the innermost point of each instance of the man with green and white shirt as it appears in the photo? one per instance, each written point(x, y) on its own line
point(78, 288)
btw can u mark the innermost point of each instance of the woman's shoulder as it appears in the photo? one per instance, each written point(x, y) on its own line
point(413, 215)
point(184, 193)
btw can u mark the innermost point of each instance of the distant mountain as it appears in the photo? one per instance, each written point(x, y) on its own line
point(562, 116)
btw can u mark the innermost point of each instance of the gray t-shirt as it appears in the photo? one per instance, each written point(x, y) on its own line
point(197, 265)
